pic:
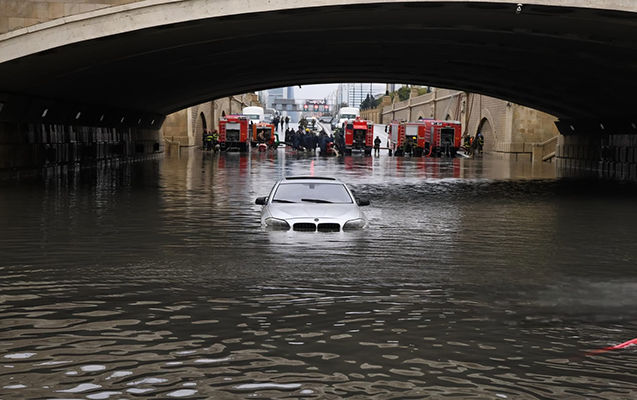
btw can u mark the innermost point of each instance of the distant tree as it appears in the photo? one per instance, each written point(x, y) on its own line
point(369, 102)
point(404, 92)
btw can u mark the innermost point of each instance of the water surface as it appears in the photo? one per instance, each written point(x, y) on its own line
point(477, 279)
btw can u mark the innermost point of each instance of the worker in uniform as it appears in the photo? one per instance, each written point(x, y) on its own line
point(209, 141)
point(377, 146)
point(409, 144)
point(480, 142)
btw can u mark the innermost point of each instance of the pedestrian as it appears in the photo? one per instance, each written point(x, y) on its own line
point(377, 146)
point(287, 121)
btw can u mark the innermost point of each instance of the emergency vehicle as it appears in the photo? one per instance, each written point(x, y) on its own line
point(262, 128)
point(427, 137)
point(358, 134)
point(233, 132)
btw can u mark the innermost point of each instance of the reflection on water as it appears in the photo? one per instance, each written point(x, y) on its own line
point(476, 279)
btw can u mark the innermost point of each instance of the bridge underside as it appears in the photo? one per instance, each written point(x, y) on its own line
point(572, 63)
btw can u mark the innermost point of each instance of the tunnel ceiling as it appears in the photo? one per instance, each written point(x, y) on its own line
point(572, 63)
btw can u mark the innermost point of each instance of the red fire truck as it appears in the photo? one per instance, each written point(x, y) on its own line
point(358, 135)
point(233, 132)
point(427, 137)
point(265, 130)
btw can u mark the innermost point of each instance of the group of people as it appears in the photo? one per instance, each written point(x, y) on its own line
point(307, 140)
point(210, 139)
point(474, 145)
point(284, 122)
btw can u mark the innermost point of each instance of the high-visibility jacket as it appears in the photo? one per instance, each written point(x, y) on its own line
point(208, 138)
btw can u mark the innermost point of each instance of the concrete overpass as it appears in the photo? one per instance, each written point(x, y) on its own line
point(132, 64)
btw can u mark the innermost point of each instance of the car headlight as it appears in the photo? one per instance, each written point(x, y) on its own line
point(357, 223)
point(277, 223)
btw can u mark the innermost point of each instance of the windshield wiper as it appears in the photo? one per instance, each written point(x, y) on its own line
point(282, 201)
point(316, 200)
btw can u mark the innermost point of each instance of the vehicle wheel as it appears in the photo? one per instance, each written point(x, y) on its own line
point(348, 152)
point(418, 152)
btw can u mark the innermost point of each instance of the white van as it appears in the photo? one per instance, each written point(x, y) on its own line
point(255, 114)
point(347, 113)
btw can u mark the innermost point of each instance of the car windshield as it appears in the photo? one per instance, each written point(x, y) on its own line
point(348, 116)
point(311, 192)
point(253, 116)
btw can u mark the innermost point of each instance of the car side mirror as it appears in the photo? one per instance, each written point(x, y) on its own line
point(362, 202)
point(261, 201)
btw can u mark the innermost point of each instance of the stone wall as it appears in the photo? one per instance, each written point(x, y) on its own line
point(509, 130)
point(186, 126)
point(32, 149)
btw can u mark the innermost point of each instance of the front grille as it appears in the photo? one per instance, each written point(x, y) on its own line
point(329, 227)
point(304, 226)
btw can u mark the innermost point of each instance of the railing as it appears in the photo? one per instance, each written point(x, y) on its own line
point(545, 151)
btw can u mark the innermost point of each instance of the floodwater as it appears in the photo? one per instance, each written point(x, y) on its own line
point(479, 279)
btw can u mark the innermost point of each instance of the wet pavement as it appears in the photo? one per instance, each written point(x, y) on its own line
point(477, 278)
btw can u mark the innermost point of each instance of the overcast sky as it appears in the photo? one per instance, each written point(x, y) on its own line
point(318, 92)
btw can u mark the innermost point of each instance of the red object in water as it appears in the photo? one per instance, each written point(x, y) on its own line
point(617, 347)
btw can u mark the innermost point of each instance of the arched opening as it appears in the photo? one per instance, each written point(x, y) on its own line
point(489, 135)
point(200, 127)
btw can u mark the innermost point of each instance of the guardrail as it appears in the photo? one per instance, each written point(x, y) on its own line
point(545, 151)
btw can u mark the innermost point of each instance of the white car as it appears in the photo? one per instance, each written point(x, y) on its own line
point(310, 204)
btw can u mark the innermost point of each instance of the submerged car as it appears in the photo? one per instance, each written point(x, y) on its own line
point(310, 204)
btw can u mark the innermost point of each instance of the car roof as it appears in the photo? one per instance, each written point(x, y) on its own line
point(303, 179)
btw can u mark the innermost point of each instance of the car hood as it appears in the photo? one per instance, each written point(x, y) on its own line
point(313, 210)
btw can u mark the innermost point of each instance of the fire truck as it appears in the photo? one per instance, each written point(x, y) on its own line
point(233, 132)
point(427, 137)
point(358, 135)
point(267, 131)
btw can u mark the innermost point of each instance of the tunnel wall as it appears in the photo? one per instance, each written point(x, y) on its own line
point(34, 149)
point(609, 156)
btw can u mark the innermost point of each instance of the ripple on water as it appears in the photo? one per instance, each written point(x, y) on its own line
point(473, 281)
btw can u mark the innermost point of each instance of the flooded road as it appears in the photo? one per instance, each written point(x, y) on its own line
point(478, 279)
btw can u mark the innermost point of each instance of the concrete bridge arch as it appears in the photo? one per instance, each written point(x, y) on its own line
point(131, 65)
point(150, 56)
